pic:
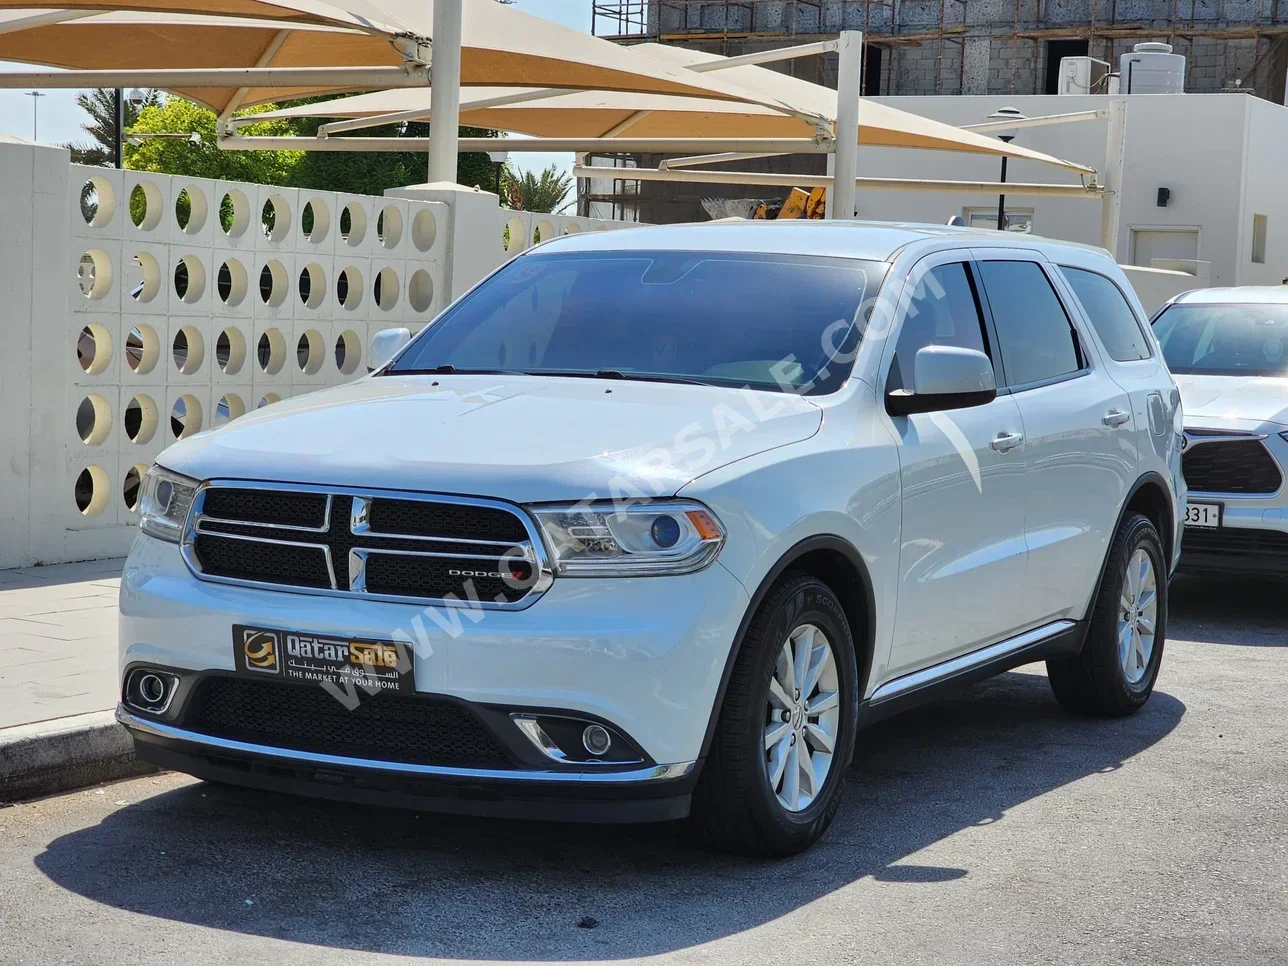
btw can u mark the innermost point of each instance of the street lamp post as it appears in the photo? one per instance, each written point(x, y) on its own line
point(35, 116)
point(1006, 137)
point(498, 163)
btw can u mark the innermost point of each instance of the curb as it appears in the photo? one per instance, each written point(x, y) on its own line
point(65, 753)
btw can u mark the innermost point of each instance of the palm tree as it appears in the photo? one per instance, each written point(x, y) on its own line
point(544, 192)
point(100, 105)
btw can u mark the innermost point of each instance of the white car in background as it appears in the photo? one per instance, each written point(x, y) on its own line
point(1228, 349)
point(648, 524)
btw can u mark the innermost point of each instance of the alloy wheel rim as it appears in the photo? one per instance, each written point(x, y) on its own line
point(802, 718)
point(1137, 616)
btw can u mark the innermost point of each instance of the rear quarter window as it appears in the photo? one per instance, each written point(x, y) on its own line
point(1110, 314)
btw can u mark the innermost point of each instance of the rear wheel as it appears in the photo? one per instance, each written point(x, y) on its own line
point(1115, 672)
point(773, 779)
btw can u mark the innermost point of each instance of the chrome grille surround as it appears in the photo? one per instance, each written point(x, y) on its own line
point(353, 559)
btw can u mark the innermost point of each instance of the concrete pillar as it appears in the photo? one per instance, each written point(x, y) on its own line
point(975, 75)
point(474, 233)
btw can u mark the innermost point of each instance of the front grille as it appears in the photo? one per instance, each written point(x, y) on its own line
point(1230, 466)
point(424, 548)
point(1234, 541)
point(418, 730)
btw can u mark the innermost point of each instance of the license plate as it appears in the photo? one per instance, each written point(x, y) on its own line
point(1203, 515)
point(345, 662)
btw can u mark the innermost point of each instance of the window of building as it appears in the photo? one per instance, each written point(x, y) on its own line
point(1259, 239)
point(1057, 50)
point(1035, 338)
point(1110, 314)
point(1017, 219)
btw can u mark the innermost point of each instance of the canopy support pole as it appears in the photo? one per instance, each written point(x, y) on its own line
point(1113, 183)
point(767, 56)
point(988, 127)
point(352, 78)
point(667, 164)
point(445, 91)
point(612, 145)
point(849, 76)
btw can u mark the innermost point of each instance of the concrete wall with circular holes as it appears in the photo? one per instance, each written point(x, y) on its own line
point(143, 308)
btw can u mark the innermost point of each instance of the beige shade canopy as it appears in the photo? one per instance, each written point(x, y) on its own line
point(596, 114)
point(501, 46)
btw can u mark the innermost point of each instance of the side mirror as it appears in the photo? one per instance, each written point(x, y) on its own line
point(945, 377)
point(386, 344)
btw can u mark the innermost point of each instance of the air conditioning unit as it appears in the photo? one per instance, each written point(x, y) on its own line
point(1083, 75)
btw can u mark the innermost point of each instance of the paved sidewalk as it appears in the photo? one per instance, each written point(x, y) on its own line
point(57, 641)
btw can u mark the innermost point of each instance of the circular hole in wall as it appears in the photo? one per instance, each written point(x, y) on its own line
point(189, 350)
point(275, 218)
point(571, 228)
point(273, 283)
point(97, 202)
point(185, 416)
point(270, 351)
point(389, 226)
point(353, 224)
point(268, 399)
point(315, 221)
point(310, 351)
point(348, 287)
point(348, 352)
point(141, 417)
point(312, 285)
point(229, 407)
point(543, 232)
point(94, 348)
point(142, 349)
point(132, 485)
point(94, 273)
point(93, 419)
point(230, 350)
point(513, 236)
point(145, 205)
point(424, 229)
point(189, 279)
point(385, 288)
point(191, 210)
point(143, 277)
point(232, 282)
point(91, 491)
point(234, 213)
point(420, 290)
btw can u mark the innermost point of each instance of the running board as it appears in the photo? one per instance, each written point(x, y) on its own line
point(1059, 638)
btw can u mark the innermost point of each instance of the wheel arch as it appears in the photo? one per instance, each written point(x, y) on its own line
point(1151, 497)
point(836, 562)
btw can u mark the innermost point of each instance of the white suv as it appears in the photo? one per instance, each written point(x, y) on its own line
point(649, 523)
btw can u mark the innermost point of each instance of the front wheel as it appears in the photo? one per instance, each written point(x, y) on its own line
point(1116, 670)
point(773, 779)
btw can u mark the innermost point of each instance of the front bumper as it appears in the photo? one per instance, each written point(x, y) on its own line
point(1251, 541)
point(644, 655)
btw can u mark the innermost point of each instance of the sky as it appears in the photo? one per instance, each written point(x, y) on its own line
point(59, 119)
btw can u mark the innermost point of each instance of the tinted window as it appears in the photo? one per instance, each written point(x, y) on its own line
point(1225, 340)
point(1034, 335)
point(1110, 315)
point(943, 311)
point(765, 321)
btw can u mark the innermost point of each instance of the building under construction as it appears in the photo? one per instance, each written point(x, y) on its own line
point(961, 46)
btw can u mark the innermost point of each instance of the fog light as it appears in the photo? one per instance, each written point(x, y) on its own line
point(596, 739)
point(151, 689)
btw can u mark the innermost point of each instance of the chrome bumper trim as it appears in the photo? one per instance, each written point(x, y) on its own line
point(652, 773)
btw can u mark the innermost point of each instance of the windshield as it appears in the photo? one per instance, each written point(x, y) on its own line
point(1225, 340)
point(779, 322)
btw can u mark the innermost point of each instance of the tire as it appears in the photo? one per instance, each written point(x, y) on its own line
point(1100, 680)
point(735, 809)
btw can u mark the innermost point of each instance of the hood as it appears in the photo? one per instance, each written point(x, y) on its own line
point(1230, 399)
point(519, 438)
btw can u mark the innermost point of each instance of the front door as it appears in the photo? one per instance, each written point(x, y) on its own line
point(962, 553)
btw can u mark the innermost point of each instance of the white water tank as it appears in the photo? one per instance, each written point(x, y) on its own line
point(1152, 68)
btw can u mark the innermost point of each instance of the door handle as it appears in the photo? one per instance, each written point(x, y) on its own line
point(1005, 442)
point(1115, 418)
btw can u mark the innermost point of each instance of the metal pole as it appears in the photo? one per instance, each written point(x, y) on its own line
point(445, 90)
point(118, 114)
point(35, 115)
point(1115, 144)
point(848, 78)
point(1001, 198)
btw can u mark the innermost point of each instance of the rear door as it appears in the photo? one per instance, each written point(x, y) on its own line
point(1079, 431)
point(961, 556)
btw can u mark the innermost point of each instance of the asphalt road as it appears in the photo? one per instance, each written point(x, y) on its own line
point(989, 828)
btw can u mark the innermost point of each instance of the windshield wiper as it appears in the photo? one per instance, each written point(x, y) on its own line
point(447, 369)
point(630, 376)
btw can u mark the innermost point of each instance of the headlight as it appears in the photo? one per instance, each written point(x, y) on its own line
point(647, 539)
point(163, 508)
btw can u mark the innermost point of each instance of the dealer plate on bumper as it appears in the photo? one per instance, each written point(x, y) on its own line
point(1203, 515)
point(316, 659)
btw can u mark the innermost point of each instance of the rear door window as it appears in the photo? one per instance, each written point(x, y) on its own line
point(1036, 340)
point(1110, 314)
